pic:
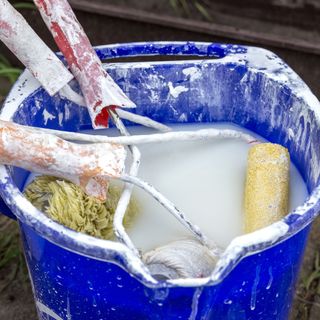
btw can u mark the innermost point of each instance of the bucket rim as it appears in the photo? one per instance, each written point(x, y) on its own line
point(106, 250)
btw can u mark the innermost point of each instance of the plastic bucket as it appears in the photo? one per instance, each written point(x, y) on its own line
point(75, 276)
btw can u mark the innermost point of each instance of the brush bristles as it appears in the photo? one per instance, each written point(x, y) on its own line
point(67, 204)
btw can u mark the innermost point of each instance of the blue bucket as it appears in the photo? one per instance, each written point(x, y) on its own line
point(75, 276)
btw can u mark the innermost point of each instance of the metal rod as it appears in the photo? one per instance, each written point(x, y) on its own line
point(167, 204)
point(203, 134)
point(125, 197)
point(70, 94)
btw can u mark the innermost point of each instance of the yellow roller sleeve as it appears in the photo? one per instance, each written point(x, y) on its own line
point(267, 185)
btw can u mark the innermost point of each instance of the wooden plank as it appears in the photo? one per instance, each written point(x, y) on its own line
point(281, 37)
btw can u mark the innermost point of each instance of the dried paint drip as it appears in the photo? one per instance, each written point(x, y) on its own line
point(66, 203)
point(267, 185)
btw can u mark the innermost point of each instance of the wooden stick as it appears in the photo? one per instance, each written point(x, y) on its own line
point(87, 165)
point(20, 38)
point(98, 88)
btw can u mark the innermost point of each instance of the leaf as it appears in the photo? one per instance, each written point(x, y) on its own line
point(317, 261)
point(174, 4)
point(24, 5)
point(4, 60)
point(202, 10)
point(312, 277)
point(11, 73)
point(185, 6)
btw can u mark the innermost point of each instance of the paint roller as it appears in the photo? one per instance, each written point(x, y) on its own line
point(267, 185)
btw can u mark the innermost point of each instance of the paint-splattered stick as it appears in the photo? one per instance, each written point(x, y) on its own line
point(87, 165)
point(20, 38)
point(98, 88)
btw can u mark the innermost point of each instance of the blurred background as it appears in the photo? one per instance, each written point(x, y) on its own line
point(290, 28)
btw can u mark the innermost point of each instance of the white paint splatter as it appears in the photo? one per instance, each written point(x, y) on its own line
point(44, 310)
point(193, 72)
point(60, 118)
point(290, 133)
point(47, 116)
point(176, 91)
point(254, 289)
point(270, 278)
point(195, 302)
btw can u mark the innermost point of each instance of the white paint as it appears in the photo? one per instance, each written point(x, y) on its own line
point(47, 116)
point(193, 72)
point(270, 278)
point(204, 180)
point(254, 289)
point(60, 118)
point(176, 91)
point(290, 133)
point(195, 304)
point(45, 311)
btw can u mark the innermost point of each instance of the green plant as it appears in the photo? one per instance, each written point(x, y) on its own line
point(187, 6)
point(7, 71)
point(24, 5)
point(11, 255)
point(314, 275)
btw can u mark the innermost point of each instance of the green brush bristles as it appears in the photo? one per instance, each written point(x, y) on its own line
point(66, 203)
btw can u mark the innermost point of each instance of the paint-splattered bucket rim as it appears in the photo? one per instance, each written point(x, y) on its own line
point(117, 253)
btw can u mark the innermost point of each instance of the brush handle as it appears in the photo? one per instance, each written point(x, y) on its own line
point(87, 165)
point(98, 88)
point(20, 38)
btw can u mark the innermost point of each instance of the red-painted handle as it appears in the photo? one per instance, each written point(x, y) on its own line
point(98, 88)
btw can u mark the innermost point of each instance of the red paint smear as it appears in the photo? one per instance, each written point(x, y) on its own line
point(42, 4)
point(64, 46)
point(6, 26)
point(97, 104)
point(102, 118)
